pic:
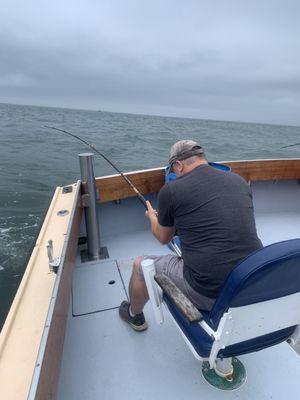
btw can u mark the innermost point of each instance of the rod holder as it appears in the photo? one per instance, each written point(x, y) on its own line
point(89, 199)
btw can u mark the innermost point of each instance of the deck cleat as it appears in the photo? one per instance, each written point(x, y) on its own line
point(225, 381)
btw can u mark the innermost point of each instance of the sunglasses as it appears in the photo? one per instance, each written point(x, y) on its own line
point(170, 167)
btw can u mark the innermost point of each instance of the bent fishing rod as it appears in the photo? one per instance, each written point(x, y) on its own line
point(139, 194)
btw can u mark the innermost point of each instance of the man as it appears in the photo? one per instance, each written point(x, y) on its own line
point(212, 212)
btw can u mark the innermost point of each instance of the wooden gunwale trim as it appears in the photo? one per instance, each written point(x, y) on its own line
point(265, 170)
point(114, 187)
point(51, 363)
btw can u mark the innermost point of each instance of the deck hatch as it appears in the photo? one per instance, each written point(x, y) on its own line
point(97, 286)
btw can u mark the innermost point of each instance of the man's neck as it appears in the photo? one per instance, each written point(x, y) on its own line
point(195, 164)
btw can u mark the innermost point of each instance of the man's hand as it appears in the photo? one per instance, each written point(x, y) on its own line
point(163, 233)
point(150, 213)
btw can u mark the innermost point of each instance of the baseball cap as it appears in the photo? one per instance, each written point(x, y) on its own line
point(184, 149)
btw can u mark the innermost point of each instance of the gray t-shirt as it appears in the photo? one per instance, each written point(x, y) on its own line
point(212, 211)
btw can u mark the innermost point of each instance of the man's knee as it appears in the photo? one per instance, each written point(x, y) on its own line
point(137, 262)
point(137, 267)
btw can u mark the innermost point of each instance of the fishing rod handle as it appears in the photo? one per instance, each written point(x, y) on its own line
point(142, 200)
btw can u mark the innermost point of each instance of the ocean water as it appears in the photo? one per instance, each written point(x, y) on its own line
point(34, 160)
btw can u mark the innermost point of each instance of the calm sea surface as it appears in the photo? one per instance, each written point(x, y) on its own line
point(34, 160)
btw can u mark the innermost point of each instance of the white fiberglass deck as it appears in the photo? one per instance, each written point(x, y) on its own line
point(104, 359)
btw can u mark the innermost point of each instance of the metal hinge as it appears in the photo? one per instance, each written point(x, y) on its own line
point(53, 262)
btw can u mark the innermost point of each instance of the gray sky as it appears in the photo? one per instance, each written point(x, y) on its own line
point(230, 60)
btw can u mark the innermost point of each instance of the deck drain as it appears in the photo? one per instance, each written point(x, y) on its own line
point(111, 282)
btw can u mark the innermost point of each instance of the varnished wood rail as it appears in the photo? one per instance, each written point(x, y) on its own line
point(150, 181)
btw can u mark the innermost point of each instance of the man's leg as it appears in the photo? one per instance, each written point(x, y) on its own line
point(137, 288)
point(132, 311)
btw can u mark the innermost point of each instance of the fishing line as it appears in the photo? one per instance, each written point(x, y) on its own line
point(140, 196)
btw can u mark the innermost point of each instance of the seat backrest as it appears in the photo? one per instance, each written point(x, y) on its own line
point(256, 320)
point(270, 273)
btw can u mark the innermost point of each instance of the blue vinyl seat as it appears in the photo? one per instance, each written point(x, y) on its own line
point(258, 307)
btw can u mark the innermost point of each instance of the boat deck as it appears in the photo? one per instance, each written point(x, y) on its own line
point(104, 358)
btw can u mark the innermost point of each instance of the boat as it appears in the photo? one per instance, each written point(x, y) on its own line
point(63, 338)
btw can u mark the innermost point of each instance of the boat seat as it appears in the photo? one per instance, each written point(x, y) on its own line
point(258, 307)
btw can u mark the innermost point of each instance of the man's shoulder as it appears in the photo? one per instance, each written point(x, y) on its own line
point(237, 178)
point(226, 174)
point(168, 187)
point(165, 189)
point(220, 179)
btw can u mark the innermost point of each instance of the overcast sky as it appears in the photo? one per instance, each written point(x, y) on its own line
point(228, 60)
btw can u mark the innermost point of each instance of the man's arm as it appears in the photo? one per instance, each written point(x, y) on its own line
point(163, 233)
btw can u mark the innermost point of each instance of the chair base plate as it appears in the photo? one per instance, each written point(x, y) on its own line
point(239, 376)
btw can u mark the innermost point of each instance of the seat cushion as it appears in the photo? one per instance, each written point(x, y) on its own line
point(199, 339)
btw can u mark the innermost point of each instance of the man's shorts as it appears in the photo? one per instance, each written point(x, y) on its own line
point(172, 266)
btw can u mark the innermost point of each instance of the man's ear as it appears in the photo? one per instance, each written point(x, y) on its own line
point(180, 165)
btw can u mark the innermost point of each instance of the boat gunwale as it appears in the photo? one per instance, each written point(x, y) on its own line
point(114, 187)
point(45, 379)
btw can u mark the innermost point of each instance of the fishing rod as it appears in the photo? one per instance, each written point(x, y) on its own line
point(139, 194)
